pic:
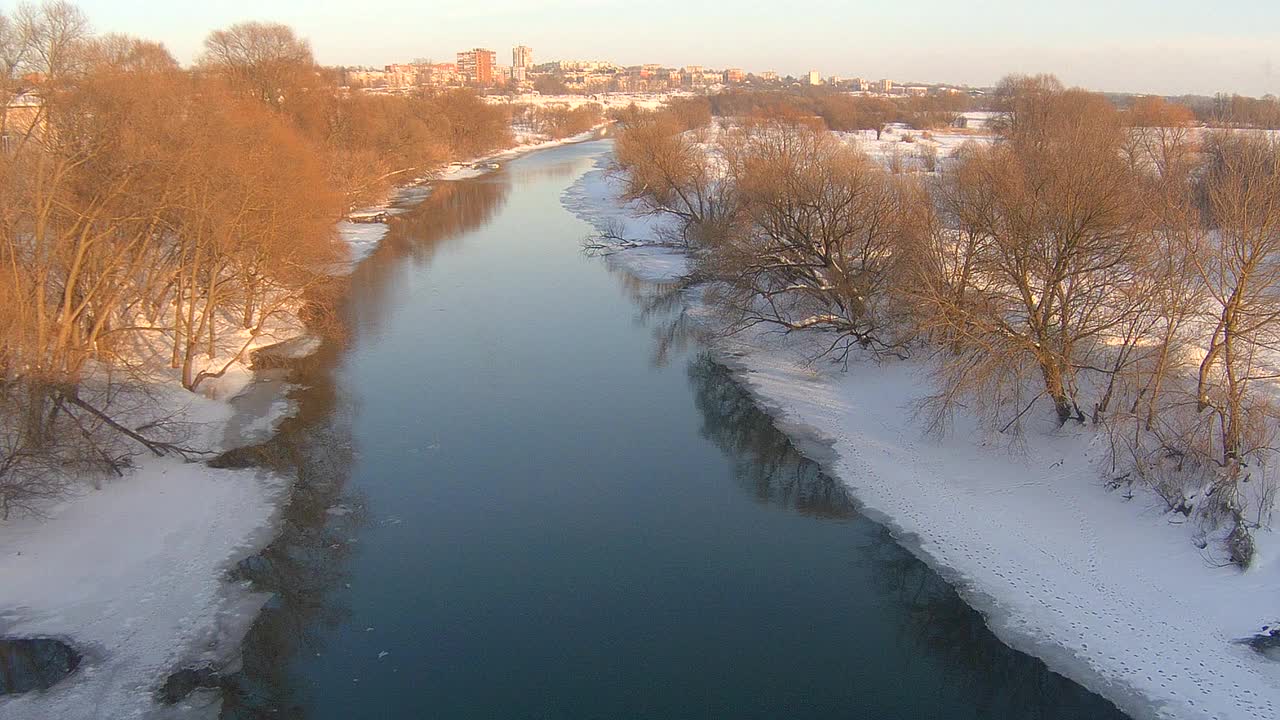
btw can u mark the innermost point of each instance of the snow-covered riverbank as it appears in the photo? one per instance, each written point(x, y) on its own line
point(132, 574)
point(1108, 590)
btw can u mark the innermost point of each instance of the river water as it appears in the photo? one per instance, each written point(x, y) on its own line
point(521, 496)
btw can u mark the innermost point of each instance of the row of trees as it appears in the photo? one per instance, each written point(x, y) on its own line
point(558, 121)
point(1236, 111)
point(841, 111)
point(1117, 268)
point(148, 210)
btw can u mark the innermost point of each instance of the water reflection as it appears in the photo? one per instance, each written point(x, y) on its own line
point(450, 211)
point(664, 309)
point(309, 561)
point(934, 620)
point(307, 568)
point(931, 619)
point(617, 550)
point(764, 460)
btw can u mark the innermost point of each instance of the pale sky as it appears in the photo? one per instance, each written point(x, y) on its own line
point(1160, 46)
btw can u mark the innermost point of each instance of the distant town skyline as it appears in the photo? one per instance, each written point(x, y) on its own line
point(1171, 47)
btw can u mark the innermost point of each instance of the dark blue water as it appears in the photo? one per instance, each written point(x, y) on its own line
point(518, 500)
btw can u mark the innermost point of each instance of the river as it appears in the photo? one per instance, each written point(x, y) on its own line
point(523, 494)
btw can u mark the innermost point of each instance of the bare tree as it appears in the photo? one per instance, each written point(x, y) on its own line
point(1038, 265)
point(821, 240)
point(56, 33)
point(1240, 272)
point(267, 59)
point(677, 173)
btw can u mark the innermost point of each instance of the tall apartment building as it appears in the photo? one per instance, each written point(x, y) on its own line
point(476, 66)
point(815, 77)
point(522, 57)
point(521, 63)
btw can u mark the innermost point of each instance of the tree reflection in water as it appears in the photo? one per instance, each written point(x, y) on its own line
point(664, 308)
point(764, 459)
point(308, 561)
point(451, 210)
point(930, 616)
point(306, 568)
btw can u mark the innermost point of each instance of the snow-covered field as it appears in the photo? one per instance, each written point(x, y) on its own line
point(1109, 591)
point(903, 146)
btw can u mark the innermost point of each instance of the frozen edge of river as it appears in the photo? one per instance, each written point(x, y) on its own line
point(1106, 592)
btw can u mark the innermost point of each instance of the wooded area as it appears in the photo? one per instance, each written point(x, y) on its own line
point(147, 204)
point(1120, 266)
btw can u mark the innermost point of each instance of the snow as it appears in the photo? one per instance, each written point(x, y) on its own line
point(1107, 591)
point(131, 575)
point(592, 198)
point(906, 143)
point(362, 238)
point(651, 264)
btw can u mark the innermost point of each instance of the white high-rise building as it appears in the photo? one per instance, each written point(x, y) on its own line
point(815, 77)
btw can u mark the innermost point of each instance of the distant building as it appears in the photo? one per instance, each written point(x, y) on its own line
point(733, 76)
point(916, 90)
point(476, 66)
point(769, 76)
point(884, 86)
point(362, 77)
point(522, 57)
point(815, 77)
point(438, 74)
point(644, 78)
point(21, 118)
point(584, 65)
point(399, 76)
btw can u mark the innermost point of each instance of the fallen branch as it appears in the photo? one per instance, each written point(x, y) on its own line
point(157, 447)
